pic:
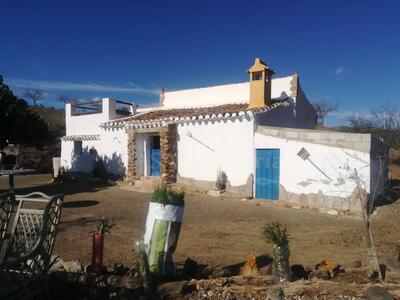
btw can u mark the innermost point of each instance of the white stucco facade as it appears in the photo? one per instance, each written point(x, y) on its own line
point(204, 148)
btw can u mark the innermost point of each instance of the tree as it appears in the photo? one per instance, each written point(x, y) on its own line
point(323, 109)
point(19, 124)
point(34, 95)
point(383, 121)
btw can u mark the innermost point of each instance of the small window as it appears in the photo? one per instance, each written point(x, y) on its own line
point(77, 148)
point(257, 75)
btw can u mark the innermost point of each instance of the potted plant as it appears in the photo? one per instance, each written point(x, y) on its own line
point(163, 226)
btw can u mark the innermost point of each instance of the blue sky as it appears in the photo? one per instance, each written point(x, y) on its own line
point(346, 52)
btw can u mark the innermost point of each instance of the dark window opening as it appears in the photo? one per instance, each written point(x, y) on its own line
point(257, 75)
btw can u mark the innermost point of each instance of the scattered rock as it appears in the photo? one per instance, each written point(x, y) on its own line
point(73, 266)
point(118, 269)
point(250, 268)
point(356, 264)
point(332, 212)
point(171, 290)
point(190, 267)
point(377, 293)
point(321, 274)
point(57, 263)
point(328, 265)
point(222, 272)
point(298, 272)
point(267, 270)
point(275, 293)
point(127, 282)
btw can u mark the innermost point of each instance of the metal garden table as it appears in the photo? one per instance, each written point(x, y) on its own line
point(12, 173)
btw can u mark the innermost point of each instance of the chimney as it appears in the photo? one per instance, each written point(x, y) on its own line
point(162, 96)
point(260, 84)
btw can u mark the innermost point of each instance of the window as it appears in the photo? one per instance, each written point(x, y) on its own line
point(77, 148)
point(257, 75)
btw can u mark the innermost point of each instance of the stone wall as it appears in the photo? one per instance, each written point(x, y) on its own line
point(131, 172)
point(169, 150)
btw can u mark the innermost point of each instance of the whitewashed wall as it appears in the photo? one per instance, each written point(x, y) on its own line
point(112, 146)
point(232, 142)
point(301, 177)
point(222, 94)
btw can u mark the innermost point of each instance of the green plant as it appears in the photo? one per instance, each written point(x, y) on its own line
point(276, 233)
point(100, 170)
point(167, 196)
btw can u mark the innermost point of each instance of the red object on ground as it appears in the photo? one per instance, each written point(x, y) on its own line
point(97, 253)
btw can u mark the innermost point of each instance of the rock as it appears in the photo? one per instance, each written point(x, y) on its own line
point(190, 267)
point(74, 266)
point(267, 270)
point(57, 263)
point(222, 272)
point(125, 281)
point(328, 265)
point(298, 272)
point(321, 274)
point(377, 293)
point(275, 293)
point(171, 290)
point(118, 269)
point(250, 268)
point(356, 264)
point(332, 212)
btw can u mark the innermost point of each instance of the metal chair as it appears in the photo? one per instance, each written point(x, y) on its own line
point(23, 274)
point(7, 203)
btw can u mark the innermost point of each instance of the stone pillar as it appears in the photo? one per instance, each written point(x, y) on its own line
point(168, 148)
point(131, 172)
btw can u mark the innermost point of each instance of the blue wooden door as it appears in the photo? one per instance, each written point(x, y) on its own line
point(267, 174)
point(155, 162)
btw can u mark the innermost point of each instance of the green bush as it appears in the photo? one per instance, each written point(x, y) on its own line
point(167, 196)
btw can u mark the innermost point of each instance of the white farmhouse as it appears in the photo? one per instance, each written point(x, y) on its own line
point(258, 137)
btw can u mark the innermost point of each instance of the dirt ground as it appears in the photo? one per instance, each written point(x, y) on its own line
point(214, 231)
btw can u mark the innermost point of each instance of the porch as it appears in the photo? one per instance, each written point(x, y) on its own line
point(152, 155)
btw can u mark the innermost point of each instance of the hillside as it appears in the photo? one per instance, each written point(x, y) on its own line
point(55, 118)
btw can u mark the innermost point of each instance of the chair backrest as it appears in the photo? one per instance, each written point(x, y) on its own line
point(7, 202)
point(34, 231)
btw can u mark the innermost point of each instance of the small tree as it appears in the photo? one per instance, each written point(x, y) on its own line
point(34, 95)
point(383, 121)
point(276, 234)
point(323, 109)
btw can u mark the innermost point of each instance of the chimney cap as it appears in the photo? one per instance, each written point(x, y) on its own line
point(258, 66)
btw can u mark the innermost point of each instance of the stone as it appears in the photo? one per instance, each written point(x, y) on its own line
point(57, 263)
point(222, 272)
point(124, 281)
point(171, 290)
point(355, 264)
point(267, 270)
point(332, 212)
point(214, 193)
point(118, 269)
point(328, 265)
point(275, 293)
point(377, 293)
point(321, 274)
point(298, 272)
point(190, 267)
point(250, 268)
point(74, 266)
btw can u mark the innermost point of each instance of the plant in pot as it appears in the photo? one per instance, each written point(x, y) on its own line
point(98, 245)
point(163, 226)
point(276, 234)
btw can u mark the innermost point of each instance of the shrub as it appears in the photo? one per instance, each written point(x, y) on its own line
point(167, 196)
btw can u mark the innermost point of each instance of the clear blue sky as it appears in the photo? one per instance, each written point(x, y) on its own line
point(345, 51)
